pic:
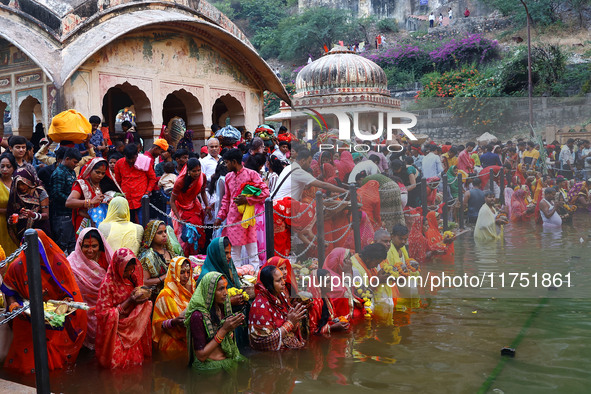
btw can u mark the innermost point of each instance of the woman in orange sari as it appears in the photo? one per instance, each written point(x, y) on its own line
point(58, 283)
point(123, 337)
point(435, 242)
point(168, 321)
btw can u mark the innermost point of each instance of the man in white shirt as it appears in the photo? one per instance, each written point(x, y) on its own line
point(567, 158)
point(432, 165)
point(370, 167)
point(586, 157)
point(294, 179)
point(210, 162)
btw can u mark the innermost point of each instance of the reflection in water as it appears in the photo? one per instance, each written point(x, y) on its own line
point(443, 347)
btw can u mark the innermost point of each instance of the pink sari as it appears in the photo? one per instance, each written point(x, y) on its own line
point(89, 275)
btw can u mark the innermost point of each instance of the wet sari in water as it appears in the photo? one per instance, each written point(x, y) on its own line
point(171, 301)
point(122, 341)
point(198, 318)
point(58, 283)
point(435, 239)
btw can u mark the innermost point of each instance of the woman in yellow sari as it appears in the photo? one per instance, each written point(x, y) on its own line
point(168, 321)
point(118, 229)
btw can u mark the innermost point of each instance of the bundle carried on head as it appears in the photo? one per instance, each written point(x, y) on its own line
point(264, 132)
point(69, 125)
point(176, 130)
point(229, 134)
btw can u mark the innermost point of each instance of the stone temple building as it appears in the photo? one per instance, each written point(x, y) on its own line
point(162, 58)
point(341, 80)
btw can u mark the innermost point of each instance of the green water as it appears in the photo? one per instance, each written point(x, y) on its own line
point(450, 346)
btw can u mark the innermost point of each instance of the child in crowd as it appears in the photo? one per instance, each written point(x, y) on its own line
point(166, 182)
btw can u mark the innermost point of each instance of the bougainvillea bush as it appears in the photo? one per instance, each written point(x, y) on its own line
point(422, 58)
point(473, 49)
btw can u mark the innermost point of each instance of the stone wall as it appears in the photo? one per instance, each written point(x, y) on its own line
point(441, 125)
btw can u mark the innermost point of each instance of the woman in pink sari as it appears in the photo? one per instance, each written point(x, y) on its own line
point(519, 208)
point(90, 261)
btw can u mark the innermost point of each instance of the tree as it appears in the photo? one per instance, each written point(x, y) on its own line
point(309, 32)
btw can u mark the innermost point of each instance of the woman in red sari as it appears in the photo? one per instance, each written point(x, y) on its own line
point(89, 190)
point(185, 205)
point(59, 284)
point(519, 208)
point(435, 242)
point(417, 243)
point(345, 303)
point(291, 286)
point(273, 323)
point(124, 333)
point(323, 317)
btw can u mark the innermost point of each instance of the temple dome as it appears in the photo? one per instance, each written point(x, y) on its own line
point(341, 72)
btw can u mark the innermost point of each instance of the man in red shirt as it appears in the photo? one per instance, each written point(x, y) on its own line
point(134, 182)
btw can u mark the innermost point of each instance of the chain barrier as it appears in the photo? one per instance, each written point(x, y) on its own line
point(336, 206)
point(298, 255)
point(8, 316)
point(340, 228)
point(342, 236)
point(13, 255)
point(344, 195)
point(203, 226)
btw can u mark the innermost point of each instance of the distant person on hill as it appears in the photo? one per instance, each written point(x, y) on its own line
point(431, 19)
point(467, 12)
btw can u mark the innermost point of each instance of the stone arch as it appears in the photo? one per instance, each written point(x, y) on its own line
point(126, 93)
point(28, 109)
point(184, 104)
point(227, 106)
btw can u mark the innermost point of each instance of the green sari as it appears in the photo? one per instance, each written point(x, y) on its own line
point(202, 301)
point(216, 262)
point(150, 260)
point(452, 182)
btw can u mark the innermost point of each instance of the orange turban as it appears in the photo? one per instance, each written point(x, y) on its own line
point(161, 143)
point(69, 125)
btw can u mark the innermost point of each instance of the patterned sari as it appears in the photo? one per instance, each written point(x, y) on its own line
point(30, 200)
point(84, 186)
point(58, 283)
point(435, 239)
point(122, 341)
point(171, 302)
point(267, 316)
point(152, 261)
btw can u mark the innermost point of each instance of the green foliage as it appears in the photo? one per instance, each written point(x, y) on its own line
point(548, 63)
point(225, 6)
point(398, 77)
point(308, 32)
point(263, 13)
point(388, 25)
point(271, 101)
point(542, 12)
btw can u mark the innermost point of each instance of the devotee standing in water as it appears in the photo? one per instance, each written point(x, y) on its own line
point(486, 224)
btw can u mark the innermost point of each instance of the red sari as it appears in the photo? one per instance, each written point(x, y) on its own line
point(435, 239)
point(58, 283)
point(343, 300)
point(417, 243)
point(122, 341)
point(189, 208)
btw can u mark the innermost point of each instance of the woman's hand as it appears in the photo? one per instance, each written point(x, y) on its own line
point(136, 298)
point(178, 321)
point(240, 199)
point(97, 200)
point(238, 299)
point(296, 314)
point(232, 323)
point(340, 326)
